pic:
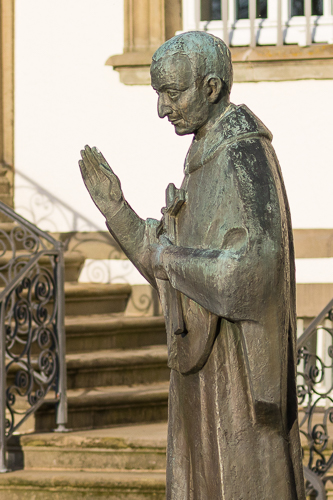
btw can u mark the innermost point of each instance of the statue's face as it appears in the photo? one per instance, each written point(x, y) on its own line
point(181, 94)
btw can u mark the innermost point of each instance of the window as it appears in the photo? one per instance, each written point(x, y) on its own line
point(274, 21)
point(241, 23)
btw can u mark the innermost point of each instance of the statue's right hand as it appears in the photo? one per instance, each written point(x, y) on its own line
point(103, 185)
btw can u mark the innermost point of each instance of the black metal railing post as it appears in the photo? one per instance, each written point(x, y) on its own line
point(3, 465)
point(61, 416)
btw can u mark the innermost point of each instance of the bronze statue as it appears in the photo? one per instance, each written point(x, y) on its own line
point(222, 261)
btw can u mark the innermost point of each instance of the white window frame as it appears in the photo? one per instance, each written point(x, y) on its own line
point(266, 30)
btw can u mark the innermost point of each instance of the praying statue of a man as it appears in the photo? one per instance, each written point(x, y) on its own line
point(222, 261)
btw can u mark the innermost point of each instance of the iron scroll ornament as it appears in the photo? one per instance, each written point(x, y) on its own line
point(32, 342)
point(314, 390)
point(32, 350)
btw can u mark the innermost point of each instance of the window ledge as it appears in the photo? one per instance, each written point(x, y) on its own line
point(265, 63)
point(133, 67)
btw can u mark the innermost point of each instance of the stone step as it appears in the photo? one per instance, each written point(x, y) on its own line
point(117, 367)
point(95, 298)
point(112, 367)
point(67, 485)
point(104, 406)
point(113, 331)
point(73, 262)
point(136, 447)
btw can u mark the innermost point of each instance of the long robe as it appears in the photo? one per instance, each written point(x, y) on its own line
point(233, 432)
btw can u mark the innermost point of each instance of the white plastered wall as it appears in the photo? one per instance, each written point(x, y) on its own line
point(66, 97)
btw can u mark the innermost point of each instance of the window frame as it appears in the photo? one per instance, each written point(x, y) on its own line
point(266, 30)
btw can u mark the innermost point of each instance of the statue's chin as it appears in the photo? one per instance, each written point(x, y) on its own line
point(182, 130)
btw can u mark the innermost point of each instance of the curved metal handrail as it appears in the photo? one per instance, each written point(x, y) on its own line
point(32, 339)
point(9, 212)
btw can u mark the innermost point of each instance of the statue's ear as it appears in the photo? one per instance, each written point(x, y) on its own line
point(214, 86)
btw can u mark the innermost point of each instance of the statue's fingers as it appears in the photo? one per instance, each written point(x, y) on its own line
point(97, 171)
point(86, 175)
point(90, 163)
point(90, 156)
point(90, 173)
point(97, 163)
point(85, 157)
point(85, 150)
point(83, 169)
point(101, 159)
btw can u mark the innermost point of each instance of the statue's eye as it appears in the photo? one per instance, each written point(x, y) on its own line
point(173, 94)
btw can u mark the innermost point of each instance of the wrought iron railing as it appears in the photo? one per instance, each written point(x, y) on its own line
point(315, 386)
point(32, 340)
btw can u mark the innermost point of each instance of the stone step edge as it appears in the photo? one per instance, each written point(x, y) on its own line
point(76, 290)
point(115, 437)
point(88, 449)
point(69, 256)
point(109, 400)
point(89, 459)
point(109, 397)
point(148, 394)
point(116, 321)
point(83, 469)
point(118, 358)
point(94, 481)
point(111, 359)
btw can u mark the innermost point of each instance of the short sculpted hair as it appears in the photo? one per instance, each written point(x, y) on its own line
point(207, 54)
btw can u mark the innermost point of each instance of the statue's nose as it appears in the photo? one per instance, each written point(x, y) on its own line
point(164, 109)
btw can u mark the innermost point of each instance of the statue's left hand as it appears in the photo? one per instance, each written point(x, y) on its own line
point(156, 252)
point(103, 185)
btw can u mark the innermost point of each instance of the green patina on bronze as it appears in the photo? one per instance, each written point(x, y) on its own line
point(222, 261)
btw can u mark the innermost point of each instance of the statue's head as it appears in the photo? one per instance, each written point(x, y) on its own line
point(192, 74)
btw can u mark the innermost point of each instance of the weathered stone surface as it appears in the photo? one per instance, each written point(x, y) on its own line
point(117, 367)
point(112, 331)
point(42, 485)
point(105, 406)
point(136, 447)
point(95, 298)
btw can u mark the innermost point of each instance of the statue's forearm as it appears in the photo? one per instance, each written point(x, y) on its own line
point(134, 236)
point(127, 227)
point(217, 280)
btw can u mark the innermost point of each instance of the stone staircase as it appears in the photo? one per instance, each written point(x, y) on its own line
point(117, 375)
point(117, 380)
point(126, 462)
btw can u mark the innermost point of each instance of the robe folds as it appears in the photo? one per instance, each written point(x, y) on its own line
point(233, 431)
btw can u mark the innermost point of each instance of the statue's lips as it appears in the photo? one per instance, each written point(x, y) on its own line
point(175, 122)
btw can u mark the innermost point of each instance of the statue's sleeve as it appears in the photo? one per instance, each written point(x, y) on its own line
point(134, 235)
point(232, 282)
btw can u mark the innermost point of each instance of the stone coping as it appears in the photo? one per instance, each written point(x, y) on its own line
point(262, 63)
